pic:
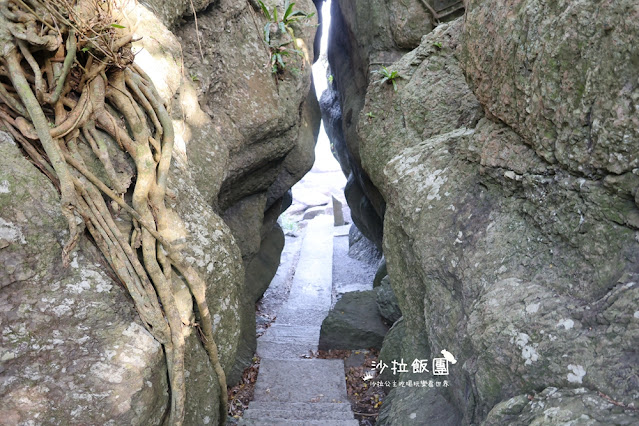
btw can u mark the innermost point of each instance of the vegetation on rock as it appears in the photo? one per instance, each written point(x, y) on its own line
point(279, 49)
point(67, 84)
point(388, 76)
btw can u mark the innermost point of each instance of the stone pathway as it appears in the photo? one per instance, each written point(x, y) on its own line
point(290, 389)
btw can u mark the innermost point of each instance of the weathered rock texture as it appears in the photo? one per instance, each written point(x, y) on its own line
point(354, 323)
point(72, 348)
point(510, 228)
point(387, 304)
point(364, 36)
point(266, 127)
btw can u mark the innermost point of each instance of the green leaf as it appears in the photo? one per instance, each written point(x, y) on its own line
point(281, 61)
point(289, 10)
point(85, 49)
point(310, 15)
point(282, 27)
point(264, 9)
point(117, 26)
point(394, 85)
point(275, 14)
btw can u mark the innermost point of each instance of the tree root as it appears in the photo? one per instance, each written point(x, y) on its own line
point(80, 75)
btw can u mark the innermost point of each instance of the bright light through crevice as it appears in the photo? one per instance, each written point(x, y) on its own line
point(324, 160)
point(320, 67)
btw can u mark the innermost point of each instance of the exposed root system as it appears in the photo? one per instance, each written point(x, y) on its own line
point(67, 80)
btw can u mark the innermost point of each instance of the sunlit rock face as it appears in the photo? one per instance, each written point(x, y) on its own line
point(73, 350)
point(510, 228)
point(264, 127)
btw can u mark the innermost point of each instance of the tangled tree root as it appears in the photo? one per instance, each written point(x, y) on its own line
point(67, 79)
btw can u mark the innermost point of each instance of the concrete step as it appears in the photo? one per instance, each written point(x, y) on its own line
point(312, 380)
point(340, 407)
point(276, 350)
point(291, 334)
point(296, 414)
point(304, 315)
point(312, 283)
point(288, 422)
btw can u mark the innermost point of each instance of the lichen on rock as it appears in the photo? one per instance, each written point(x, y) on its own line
point(510, 222)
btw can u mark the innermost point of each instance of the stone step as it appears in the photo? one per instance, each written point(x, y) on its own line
point(276, 350)
point(303, 315)
point(288, 422)
point(340, 407)
point(312, 380)
point(291, 334)
point(258, 414)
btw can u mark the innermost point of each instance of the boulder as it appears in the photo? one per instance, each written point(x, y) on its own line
point(264, 127)
point(364, 34)
point(382, 272)
point(417, 406)
point(387, 302)
point(522, 266)
point(353, 323)
point(73, 335)
point(361, 248)
point(570, 87)
point(391, 350)
point(365, 216)
point(262, 268)
point(71, 339)
point(560, 406)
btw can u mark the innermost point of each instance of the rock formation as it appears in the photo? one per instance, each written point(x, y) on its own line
point(505, 170)
point(73, 348)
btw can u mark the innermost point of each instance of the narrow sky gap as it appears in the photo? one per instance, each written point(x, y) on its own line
point(324, 159)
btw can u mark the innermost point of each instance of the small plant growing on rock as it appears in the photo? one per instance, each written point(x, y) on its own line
point(278, 53)
point(283, 26)
point(388, 76)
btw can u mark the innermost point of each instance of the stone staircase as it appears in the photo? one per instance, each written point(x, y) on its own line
point(290, 389)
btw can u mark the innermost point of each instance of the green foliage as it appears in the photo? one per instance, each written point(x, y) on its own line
point(388, 76)
point(288, 224)
point(370, 114)
point(282, 26)
point(438, 45)
point(330, 79)
point(278, 53)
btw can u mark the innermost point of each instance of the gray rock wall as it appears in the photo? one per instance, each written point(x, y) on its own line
point(365, 35)
point(266, 126)
point(506, 163)
point(73, 350)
